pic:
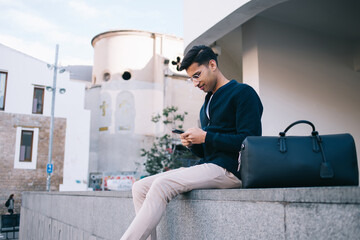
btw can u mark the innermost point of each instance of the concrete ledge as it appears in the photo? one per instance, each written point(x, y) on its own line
point(291, 213)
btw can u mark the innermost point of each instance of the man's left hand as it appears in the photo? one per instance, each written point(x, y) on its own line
point(195, 135)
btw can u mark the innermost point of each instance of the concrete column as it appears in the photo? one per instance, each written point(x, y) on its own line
point(250, 55)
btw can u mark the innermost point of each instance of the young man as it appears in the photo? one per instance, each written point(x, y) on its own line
point(231, 112)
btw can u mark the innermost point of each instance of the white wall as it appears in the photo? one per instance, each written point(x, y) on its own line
point(187, 98)
point(23, 72)
point(77, 136)
point(122, 51)
point(142, 54)
point(302, 75)
point(201, 15)
point(299, 73)
point(231, 68)
point(205, 22)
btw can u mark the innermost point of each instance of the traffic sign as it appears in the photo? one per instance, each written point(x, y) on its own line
point(49, 168)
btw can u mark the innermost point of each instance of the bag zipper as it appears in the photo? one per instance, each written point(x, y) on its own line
point(239, 159)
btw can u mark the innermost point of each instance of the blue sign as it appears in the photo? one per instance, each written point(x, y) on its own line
point(49, 168)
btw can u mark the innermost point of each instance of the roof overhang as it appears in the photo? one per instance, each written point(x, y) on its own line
point(232, 21)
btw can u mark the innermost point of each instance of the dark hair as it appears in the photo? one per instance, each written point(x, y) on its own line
point(200, 54)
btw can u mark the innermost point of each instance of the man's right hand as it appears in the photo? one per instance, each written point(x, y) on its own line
point(185, 142)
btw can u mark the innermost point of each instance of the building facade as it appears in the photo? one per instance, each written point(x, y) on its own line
point(25, 126)
point(134, 77)
point(301, 56)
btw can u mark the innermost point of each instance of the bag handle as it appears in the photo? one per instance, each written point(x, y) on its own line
point(313, 133)
point(326, 170)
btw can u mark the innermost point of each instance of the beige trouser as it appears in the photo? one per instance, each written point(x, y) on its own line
point(152, 194)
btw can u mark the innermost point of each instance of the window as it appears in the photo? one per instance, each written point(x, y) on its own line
point(26, 147)
point(3, 79)
point(106, 76)
point(38, 100)
point(126, 75)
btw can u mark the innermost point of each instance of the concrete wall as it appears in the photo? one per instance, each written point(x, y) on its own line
point(302, 74)
point(186, 97)
point(211, 13)
point(120, 150)
point(77, 144)
point(214, 19)
point(299, 73)
point(294, 213)
point(300, 56)
point(230, 62)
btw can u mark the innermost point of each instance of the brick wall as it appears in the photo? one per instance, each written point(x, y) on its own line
point(17, 181)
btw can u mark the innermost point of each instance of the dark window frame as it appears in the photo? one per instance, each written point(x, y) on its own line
point(6, 77)
point(31, 149)
point(42, 101)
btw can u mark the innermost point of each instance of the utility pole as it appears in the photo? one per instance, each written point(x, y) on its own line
point(53, 89)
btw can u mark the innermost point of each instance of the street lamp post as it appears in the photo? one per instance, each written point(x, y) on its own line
point(53, 90)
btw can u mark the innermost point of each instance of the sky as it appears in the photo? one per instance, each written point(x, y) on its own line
point(35, 27)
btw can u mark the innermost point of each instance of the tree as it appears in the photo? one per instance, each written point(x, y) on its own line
point(166, 153)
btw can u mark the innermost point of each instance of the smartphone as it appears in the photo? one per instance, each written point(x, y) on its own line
point(177, 131)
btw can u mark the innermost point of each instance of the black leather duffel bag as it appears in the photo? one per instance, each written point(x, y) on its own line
point(299, 161)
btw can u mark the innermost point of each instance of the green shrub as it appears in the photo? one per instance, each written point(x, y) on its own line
point(166, 153)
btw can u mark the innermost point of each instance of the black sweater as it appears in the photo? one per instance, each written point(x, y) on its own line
point(235, 112)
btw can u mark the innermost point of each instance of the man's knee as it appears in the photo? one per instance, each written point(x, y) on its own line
point(161, 181)
point(138, 188)
point(165, 188)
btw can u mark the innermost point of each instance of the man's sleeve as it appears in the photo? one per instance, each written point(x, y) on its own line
point(198, 150)
point(248, 123)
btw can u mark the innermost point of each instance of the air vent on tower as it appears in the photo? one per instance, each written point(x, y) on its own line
point(126, 75)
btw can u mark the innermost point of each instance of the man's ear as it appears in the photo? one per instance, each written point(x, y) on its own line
point(212, 65)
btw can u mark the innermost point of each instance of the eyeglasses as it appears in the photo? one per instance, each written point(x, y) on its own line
point(195, 77)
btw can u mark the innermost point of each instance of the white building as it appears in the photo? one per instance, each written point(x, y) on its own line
point(25, 112)
point(301, 56)
point(133, 79)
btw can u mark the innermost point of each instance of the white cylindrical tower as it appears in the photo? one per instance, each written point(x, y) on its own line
point(128, 87)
